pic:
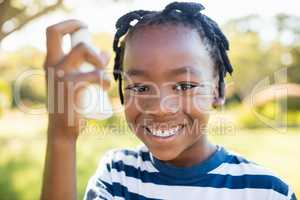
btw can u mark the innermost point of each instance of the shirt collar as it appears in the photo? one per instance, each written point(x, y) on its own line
point(197, 170)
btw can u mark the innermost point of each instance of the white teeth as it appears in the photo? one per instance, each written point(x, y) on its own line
point(165, 133)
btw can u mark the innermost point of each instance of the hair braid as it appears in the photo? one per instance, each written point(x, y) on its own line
point(123, 25)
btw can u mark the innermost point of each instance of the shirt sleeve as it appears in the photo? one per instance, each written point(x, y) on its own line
point(99, 185)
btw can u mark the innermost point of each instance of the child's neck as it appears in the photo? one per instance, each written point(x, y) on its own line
point(195, 154)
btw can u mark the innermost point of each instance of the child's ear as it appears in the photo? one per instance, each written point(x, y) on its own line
point(218, 101)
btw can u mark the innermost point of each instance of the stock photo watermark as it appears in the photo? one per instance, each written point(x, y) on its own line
point(70, 96)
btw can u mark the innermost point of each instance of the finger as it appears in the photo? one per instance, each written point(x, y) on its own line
point(55, 35)
point(82, 53)
point(95, 77)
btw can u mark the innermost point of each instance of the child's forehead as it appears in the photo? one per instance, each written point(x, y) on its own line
point(167, 49)
point(163, 33)
point(152, 41)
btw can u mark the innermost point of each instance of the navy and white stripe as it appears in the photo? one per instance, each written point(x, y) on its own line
point(136, 174)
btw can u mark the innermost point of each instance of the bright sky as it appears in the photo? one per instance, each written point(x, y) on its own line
point(102, 17)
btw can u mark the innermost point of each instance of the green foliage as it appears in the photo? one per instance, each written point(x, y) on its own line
point(14, 65)
point(251, 60)
point(33, 90)
point(251, 118)
point(293, 104)
point(294, 67)
point(5, 95)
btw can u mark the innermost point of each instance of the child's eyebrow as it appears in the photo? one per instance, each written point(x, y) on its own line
point(135, 72)
point(174, 72)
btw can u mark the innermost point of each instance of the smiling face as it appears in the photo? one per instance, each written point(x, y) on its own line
point(169, 89)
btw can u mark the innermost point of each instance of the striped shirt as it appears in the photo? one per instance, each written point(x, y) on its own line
point(137, 174)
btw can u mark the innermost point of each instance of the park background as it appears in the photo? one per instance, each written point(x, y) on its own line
point(261, 118)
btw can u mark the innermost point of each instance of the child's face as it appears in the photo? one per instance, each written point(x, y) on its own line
point(162, 65)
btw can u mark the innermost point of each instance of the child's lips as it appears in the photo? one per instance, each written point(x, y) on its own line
point(164, 139)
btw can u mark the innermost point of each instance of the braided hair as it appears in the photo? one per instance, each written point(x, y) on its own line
point(178, 13)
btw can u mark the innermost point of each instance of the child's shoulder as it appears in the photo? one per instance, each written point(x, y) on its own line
point(126, 158)
point(139, 152)
point(237, 164)
point(255, 175)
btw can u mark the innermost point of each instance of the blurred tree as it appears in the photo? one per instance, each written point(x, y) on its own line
point(255, 57)
point(294, 66)
point(17, 13)
point(288, 26)
point(13, 66)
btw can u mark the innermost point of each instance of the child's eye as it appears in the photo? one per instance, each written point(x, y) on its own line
point(138, 88)
point(185, 86)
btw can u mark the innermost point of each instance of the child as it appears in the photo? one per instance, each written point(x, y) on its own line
point(173, 65)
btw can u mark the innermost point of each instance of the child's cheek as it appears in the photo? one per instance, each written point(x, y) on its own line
point(198, 100)
point(202, 103)
point(131, 111)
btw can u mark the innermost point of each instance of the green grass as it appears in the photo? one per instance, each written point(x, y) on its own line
point(22, 157)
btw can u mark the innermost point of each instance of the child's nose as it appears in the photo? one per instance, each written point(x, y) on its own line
point(165, 103)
